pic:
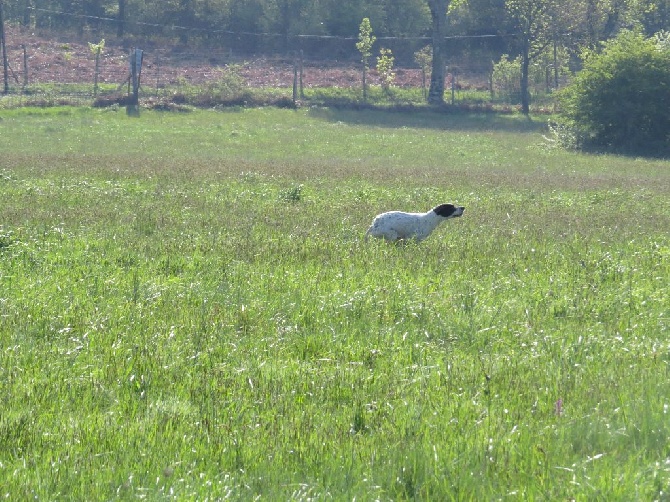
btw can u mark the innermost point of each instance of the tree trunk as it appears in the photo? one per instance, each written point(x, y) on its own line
point(591, 22)
point(438, 11)
point(365, 84)
point(26, 14)
point(285, 19)
point(120, 27)
point(187, 17)
point(525, 64)
point(5, 64)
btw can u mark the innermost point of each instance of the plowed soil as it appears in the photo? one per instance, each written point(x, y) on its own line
point(43, 59)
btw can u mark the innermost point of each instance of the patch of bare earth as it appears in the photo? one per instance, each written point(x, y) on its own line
point(58, 60)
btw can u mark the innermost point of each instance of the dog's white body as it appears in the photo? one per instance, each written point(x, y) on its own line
point(398, 225)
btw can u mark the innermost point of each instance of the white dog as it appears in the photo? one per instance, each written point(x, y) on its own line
point(397, 225)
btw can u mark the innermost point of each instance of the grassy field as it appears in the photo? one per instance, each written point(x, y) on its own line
point(188, 310)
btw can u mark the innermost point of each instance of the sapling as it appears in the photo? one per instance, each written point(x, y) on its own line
point(385, 69)
point(424, 58)
point(96, 50)
point(364, 45)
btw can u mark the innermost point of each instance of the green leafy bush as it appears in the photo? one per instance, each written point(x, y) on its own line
point(385, 69)
point(228, 89)
point(424, 58)
point(507, 78)
point(621, 98)
point(506, 75)
point(229, 86)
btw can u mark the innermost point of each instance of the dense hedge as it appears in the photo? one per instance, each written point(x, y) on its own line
point(621, 98)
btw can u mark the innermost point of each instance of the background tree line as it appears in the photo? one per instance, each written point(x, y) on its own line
point(544, 34)
point(283, 25)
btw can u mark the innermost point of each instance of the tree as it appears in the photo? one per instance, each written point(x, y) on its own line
point(600, 20)
point(621, 98)
point(438, 13)
point(656, 15)
point(341, 17)
point(121, 19)
point(534, 20)
point(96, 50)
point(385, 69)
point(405, 17)
point(185, 18)
point(364, 45)
point(245, 16)
point(284, 15)
point(424, 58)
point(3, 45)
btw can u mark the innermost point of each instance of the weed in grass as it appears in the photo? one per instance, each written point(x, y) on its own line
point(291, 194)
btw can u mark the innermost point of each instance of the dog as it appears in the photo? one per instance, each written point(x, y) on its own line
point(397, 225)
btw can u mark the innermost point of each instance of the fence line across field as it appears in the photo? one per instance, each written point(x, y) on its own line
point(68, 74)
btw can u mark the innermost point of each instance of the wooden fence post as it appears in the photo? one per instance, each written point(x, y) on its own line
point(133, 107)
point(5, 63)
point(302, 94)
point(295, 80)
point(97, 71)
point(25, 66)
point(158, 73)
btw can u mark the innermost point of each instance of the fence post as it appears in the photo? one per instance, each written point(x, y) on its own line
point(158, 73)
point(295, 80)
point(5, 63)
point(491, 86)
point(25, 67)
point(97, 71)
point(133, 108)
point(302, 94)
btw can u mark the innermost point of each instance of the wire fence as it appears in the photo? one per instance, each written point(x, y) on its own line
point(46, 72)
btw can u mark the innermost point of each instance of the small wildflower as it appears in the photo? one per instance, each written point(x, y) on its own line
point(558, 407)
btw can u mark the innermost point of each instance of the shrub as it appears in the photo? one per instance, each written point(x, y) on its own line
point(229, 86)
point(424, 58)
point(385, 69)
point(507, 78)
point(621, 98)
point(291, 194)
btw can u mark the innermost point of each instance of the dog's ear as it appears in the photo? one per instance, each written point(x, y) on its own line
point(445, 210)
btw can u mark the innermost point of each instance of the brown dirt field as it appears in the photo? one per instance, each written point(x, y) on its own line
point(59, 60)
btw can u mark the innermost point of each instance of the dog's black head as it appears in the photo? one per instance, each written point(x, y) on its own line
point(448, 210)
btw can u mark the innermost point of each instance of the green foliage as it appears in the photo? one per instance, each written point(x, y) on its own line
point(547, 66)
point(229, 22)
point(96, 49)
point(365, 42)
point(292, 194)
point(662, 40)
point(229, 88)
point(385, 68)
point(621, 98)
point(229, 84)
point(364, 45)
point(424, 58)
point(507, 78)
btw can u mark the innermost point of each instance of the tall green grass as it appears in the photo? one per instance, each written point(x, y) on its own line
point(188, 310)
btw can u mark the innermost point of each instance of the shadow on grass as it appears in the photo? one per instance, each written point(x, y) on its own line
point(443, 118)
